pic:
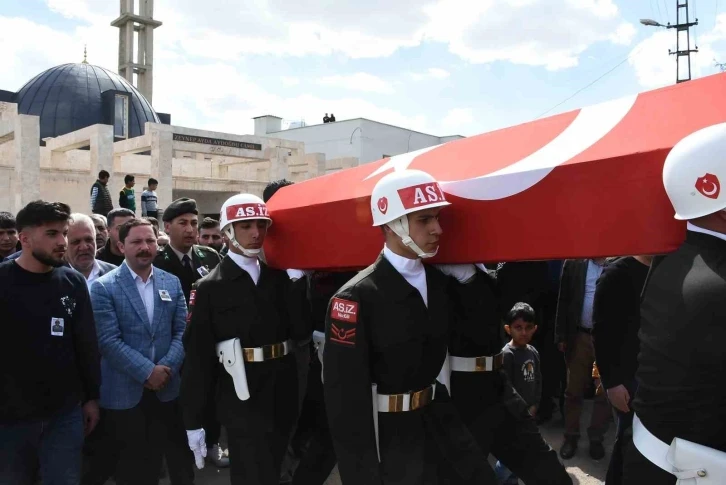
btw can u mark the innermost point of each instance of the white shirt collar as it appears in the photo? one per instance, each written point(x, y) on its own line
point(250, 265)
point(694, 228)
point(181, 255)
point(412, 270)
point(403, 265)
point(139, 278)
point(94, 271)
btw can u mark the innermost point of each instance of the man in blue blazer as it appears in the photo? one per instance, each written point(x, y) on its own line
point(140, 316)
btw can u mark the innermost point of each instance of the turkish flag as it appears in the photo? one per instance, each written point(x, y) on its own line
point(587, 183)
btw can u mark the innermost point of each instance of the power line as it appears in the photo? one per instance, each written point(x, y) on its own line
point(657, 5)
point(592, 82)
point(668, 13)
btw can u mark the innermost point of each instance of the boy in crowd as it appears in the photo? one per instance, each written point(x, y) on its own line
point(521, 364)
point(127, 197)
point(149, 201)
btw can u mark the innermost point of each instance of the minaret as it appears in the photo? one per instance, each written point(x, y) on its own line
point(142, 24)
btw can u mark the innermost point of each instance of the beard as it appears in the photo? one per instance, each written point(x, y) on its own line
point(48, 259)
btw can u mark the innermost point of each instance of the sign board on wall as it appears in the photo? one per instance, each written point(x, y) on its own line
point(217, 142)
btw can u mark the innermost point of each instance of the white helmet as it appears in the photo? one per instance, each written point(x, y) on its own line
point(692, 173)
point(400, 193)
point(242, 207)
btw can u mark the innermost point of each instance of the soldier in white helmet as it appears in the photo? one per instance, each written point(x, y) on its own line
point(243, 319)
point(386, 342)
point(679, 429)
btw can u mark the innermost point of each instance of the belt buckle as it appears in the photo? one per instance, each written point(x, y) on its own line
point(395, 403)
point(421, 398)
point(249, 355)
point(498, 361)
point(273, 351)
point(481, 364)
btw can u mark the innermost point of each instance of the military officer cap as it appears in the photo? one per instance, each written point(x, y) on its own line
point(180, 207)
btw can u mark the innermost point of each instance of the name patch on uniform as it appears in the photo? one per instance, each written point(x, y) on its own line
point(421, 195)
point(344, 310)
point(340, 335)
point(203, 271)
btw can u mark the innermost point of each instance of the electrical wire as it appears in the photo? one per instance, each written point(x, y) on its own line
point(660, 15)
point(668, 13)
point(592, 82)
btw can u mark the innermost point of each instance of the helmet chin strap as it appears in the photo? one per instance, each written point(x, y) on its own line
point(250, 253)
point(400, 228)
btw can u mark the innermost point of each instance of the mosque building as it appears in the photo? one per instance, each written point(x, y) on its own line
point(71, 121)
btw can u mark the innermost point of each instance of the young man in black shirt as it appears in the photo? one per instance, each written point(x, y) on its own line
point(48, 355)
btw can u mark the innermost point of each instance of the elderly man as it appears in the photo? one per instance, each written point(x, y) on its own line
point(99, 222)
point(81, 254)
point(140, 315)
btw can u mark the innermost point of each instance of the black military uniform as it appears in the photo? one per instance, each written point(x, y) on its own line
point(496, 415)
point(227, 304)
point(380, 331)
point(682, 362)
point(203, 259)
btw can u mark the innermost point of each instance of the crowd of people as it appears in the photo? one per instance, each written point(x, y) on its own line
point(126, 346)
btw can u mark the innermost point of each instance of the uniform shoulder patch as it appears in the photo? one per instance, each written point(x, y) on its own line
point(344, 310)
point(344, 316)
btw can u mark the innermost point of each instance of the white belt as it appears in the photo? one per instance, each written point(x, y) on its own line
point(407, 401)
point(476, 364)
point(691, 463)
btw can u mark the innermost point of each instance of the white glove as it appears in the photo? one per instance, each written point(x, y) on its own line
point(296, 274)
point(462, 272)
point(197, 443)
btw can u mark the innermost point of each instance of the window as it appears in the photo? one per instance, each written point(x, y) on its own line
point(121, 116)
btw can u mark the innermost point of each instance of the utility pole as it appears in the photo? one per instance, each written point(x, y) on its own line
point(681, 27)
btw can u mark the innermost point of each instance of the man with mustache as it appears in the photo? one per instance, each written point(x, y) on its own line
point(48, 352)
point(81, 254)
point(140, 315)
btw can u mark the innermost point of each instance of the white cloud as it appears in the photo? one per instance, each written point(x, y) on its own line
point(479, 31)
point(290, 81)
point(431, 73)
point(360, 81)
point(458, 118)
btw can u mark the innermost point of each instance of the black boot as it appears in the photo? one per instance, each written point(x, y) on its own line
point(569, 448)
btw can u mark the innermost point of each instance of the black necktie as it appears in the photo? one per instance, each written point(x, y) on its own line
point(187, 263)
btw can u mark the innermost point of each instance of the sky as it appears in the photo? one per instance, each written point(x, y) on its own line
point(443, 67)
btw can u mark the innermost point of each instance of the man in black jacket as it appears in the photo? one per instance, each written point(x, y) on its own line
point(183, 257)
point(616, 321)
point(386, 341)
point(189, 262)
point(50, 381)
point(681, 364)
point(111, 253)
point(248, 315)
point(573, 334)
point(101, 202)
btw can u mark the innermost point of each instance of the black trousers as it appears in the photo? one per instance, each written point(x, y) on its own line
point(518, 444)
point(99, 454)
point(638, 470)
point(256, 459)
point(145, 433)
point(318, 460)
point(212, 428)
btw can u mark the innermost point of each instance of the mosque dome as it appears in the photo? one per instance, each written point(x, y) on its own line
point(74, 96)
